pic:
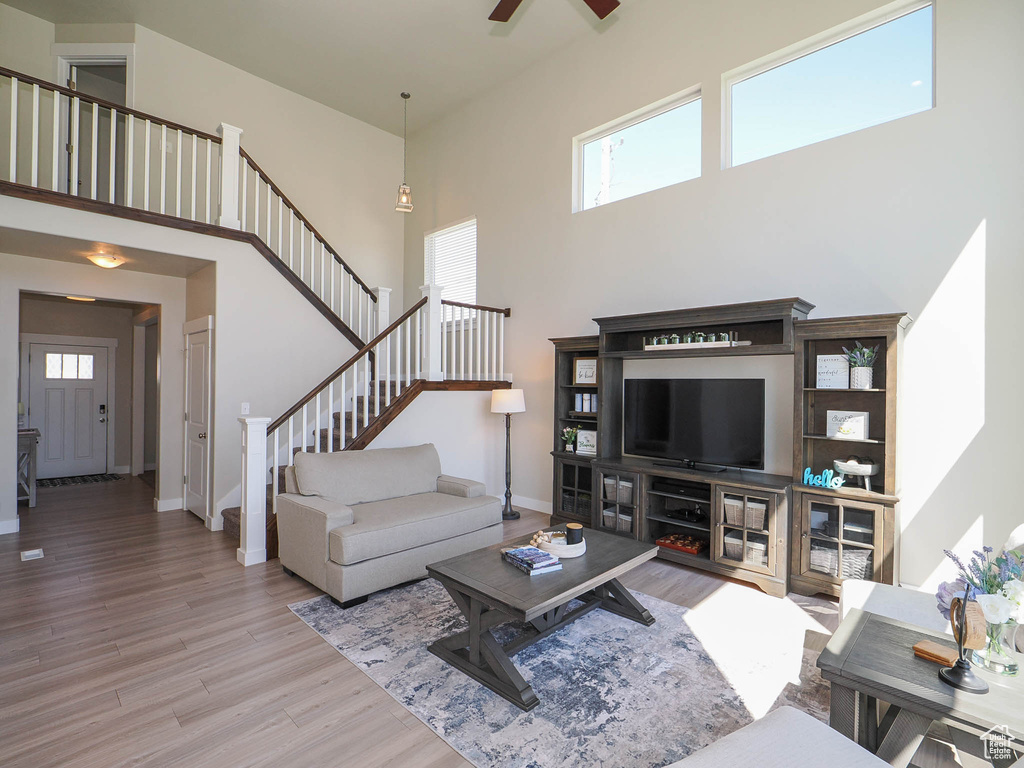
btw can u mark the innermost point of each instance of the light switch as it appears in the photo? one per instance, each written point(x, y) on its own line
point(245, 409)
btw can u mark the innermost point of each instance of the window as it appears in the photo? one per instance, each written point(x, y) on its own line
point(655, 147)
point(449, 257)
point(875, 69)
point(60, 366)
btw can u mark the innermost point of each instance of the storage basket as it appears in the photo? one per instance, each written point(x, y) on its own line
point(625, 523)
point(733, 511)
point(608, 519)
point(824, 558)
point(756, 554)
point(583, 504)
point(857, 563)
point(756, 512)
point(625, 492)
point(568, 502)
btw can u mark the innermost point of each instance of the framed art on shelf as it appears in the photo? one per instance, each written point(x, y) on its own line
point(847, 425)
point(833, 372)
point(586, 442)
point(585, 371)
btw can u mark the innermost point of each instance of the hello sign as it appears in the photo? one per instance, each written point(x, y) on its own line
point(827, 479)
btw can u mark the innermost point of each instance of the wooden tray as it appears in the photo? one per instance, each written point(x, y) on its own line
point(680, 547)
point(564, 551)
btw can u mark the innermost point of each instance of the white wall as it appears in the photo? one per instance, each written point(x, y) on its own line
point(869, 222)
point(270, 345)
point(21, 273)
point(25, 43)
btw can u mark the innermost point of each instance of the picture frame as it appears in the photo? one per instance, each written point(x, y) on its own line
point(586, 442)
point(833, 372)
point(847, 425)
point(585, 371)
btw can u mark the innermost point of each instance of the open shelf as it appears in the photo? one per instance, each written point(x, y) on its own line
point(704, 527)
point(679, 496)
point(869, 441)
point(838, 389)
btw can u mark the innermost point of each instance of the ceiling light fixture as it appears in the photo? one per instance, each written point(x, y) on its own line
point(106, 260)
point(79, 298)
point(404, 202)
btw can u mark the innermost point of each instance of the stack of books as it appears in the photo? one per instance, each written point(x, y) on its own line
point(531, 560)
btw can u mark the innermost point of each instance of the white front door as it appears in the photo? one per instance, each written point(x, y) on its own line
point(198, 357)
point(68, 405)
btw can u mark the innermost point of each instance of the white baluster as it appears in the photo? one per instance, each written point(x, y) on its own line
point(129, 165)
point(112, 193)
point(291, 238)
point(416, 357)
point(331, 286)
point(256, 207)
point(177, 177)
point(94, 158)
point(398, 359)
point(341, 423)
point(14, 130)
point(269, 213)
point(35, 136)
point(192, 214)
point(209, 186)
point(275, 482)
point(145, 166)
point(316, 425)
point(305, 427)
point(163, 169)
point(291, 442)
point(55, 170)
point(387, 371)
point(321, 270)
point(280, 227)
point(501, 347)
point(330, 417)
point(76, 119)
point(366, 389)
point(244, 202)
point(302, 251)
point(485, 331)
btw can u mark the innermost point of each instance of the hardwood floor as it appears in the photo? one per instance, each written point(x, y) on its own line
point(138, 639)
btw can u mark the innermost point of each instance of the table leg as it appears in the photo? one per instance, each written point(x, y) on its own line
point(903, 738)
point(845, 712)
point(476, 652)
point(619, 600)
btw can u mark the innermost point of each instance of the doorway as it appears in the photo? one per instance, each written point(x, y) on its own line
point(198, 417)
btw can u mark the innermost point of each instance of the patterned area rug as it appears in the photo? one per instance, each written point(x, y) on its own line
point(56, 482)
point(612, 692)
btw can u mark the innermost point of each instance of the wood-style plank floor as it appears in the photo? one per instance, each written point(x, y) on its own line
point(138, 639)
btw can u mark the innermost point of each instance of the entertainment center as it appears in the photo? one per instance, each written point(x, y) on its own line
point(772, 530)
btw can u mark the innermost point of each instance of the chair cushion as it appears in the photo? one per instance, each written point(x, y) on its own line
point(785, 738)
point(356, 477)
point(395, 525)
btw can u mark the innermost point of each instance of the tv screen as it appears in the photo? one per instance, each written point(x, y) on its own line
point(705, 421)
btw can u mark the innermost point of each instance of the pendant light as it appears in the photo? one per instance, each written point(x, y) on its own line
point(404, 202)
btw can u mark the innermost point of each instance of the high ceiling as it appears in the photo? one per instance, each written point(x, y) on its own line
point(357, 55)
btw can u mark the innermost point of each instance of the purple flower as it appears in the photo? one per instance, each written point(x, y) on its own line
point(947, 591)
point(988, 550)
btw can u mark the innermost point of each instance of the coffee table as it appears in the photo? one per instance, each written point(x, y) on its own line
point(871, 657)
point(490, 591)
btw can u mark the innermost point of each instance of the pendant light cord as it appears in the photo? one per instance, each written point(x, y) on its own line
point(405, 140)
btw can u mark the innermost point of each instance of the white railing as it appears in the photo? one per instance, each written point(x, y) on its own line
point(64, 142)
point(472, 342)
point(266, 211)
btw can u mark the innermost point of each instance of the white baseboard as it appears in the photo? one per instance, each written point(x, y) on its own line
point(544, 507)
point(251, 558)
point(167, 505)
point(10, 526)
point(121, 469)
point(215, 523)
point(149, 467)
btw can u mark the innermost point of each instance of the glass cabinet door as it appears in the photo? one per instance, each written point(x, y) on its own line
point(841, 539)
point(618, 494)
point(745, 531)
point(575, 489)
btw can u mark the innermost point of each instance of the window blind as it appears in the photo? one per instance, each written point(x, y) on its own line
point(450, 261)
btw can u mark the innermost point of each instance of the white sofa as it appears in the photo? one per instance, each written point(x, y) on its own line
point(355, 522)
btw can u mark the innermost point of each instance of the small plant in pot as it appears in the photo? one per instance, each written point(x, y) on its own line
point(569, 436)
point(862, 365)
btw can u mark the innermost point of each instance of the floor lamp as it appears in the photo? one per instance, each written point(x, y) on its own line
point(508, 401)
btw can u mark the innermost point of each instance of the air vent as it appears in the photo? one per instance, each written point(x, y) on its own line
point(32, 554)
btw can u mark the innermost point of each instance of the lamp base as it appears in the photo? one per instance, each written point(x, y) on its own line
point(508, 513)
point(962, 677)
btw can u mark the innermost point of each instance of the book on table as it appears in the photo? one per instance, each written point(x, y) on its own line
point(531, 559)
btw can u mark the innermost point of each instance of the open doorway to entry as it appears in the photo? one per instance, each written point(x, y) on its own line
point(85, 385)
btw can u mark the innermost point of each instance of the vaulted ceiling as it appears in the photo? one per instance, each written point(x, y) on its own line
point(357, 55)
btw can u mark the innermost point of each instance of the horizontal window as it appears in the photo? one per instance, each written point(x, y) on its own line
point(60, 366)
point(650, 149)
point(866, 73)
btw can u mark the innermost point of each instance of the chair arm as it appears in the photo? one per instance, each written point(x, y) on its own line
point(303, 527)
point(459, 486)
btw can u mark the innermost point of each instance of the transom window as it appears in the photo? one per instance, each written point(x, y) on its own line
point(655, 147)
point(870, 71)
point(61, 366)
point(449, 260)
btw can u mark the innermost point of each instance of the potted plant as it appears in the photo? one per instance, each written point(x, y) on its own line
point(569, 436)
point(862, 364)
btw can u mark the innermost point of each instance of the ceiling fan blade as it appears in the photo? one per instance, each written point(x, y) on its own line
point(602, 7)
point(504, 9)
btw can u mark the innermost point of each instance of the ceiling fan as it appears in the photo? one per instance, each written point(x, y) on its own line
point(505, 8)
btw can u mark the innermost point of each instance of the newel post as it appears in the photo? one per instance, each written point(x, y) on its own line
point(253, 536)
point(432, 334)
point(230, 175)
point(383, 308)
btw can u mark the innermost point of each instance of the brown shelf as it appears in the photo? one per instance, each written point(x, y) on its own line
point(869, 441)
point(583, 415)
point(752, 349)
point(852, 493)
point(839, 389)
point(578, 386)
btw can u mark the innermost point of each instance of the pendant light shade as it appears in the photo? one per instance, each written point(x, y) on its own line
point(404, 202)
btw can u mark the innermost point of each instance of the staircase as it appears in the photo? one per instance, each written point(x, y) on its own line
point(202, 183)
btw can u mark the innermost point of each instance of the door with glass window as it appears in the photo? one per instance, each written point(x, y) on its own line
point(68, 405)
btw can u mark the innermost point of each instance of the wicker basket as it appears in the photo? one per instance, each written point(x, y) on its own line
point(583, 504)
point(756, 513)
point(568, 502)
point(756, 554)
point(857, 563)
point(733, 511)
point(608, 519)
point(622, 494)
point(824, 558)
point(625, 523)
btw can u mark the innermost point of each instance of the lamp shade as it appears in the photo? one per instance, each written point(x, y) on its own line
point(507, 401)
point(404, 202)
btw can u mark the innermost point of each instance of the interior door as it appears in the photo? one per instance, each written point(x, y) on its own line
point(68, 405)
point(198, 360)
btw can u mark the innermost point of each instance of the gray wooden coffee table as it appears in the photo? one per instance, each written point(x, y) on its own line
point(871, 657)
point(489, 592)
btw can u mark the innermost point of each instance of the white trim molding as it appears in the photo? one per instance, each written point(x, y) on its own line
point(68, 54)
point(167, 505)
point(10, 526)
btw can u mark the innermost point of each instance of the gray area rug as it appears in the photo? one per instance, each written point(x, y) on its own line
point(57, 482)
point(612, 692)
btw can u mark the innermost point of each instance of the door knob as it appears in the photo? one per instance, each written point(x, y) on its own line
point(202, 435)
point(103, 419)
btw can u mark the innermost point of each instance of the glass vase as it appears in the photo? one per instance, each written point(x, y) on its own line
point(998, 656)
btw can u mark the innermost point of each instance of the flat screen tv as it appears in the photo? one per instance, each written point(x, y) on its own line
point(695, 421)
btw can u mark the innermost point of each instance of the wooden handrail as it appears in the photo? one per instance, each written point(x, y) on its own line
point(507, 311)
point(346, 365)
point(277, 190)
point(109, 104)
